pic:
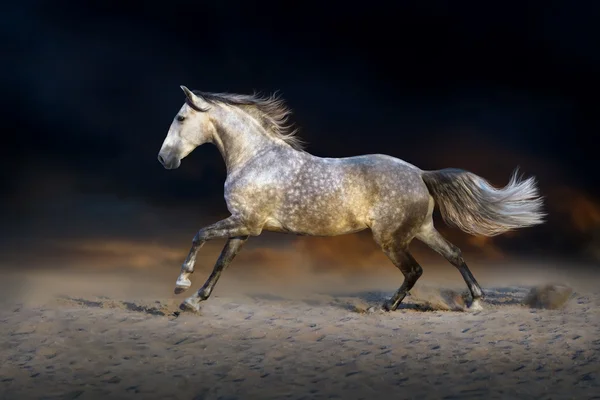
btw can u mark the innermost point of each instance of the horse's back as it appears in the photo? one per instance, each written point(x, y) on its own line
point(394, 186)
point(383, 175)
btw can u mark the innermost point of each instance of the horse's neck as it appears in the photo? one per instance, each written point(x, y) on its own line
point(239, 139)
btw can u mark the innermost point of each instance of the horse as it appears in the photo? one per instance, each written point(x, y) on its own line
point(273, 184)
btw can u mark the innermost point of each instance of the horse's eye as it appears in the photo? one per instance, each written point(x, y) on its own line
point(180, 118)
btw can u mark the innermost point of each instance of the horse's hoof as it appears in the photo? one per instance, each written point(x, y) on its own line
point(475, 306)
point(377, 309)
point(188, 306)
point(182, 285)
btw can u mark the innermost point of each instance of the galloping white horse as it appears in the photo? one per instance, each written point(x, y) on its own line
point(273, 185)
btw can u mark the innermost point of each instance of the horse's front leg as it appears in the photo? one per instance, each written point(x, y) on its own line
point(227, 228)
point(230, 250)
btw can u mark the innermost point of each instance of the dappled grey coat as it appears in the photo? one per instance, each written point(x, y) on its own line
point(272, 184)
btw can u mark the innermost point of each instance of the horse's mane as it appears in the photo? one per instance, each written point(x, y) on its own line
point(272, 112)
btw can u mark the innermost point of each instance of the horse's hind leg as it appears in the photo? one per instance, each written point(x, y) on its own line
point(431, 237)
point(232, 247)
point(397, 252)
point(412, 272)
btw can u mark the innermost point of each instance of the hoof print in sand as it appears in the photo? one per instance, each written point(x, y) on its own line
point(550, 296)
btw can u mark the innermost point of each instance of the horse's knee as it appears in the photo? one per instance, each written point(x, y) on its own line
point(199, 238)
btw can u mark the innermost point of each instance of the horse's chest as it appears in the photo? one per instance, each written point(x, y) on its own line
point(250, 195)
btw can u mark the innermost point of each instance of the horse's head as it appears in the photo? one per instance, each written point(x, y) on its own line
point(190, 128)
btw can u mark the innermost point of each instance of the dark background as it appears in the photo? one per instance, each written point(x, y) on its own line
point(89, 90)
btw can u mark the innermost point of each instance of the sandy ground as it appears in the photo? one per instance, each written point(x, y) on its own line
point(84, 335)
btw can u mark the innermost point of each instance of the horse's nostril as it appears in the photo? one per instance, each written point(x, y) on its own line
point(162, 160)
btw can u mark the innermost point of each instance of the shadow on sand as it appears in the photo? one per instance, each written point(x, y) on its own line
point(421, 299)
point(426, 299)
point(105, 302)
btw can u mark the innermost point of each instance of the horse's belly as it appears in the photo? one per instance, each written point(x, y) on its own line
point(315, 224)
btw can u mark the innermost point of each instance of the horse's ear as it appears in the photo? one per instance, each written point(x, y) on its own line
point(193, 100)
point(188, 93)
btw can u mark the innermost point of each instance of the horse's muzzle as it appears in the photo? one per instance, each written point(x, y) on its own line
point(169, 162)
